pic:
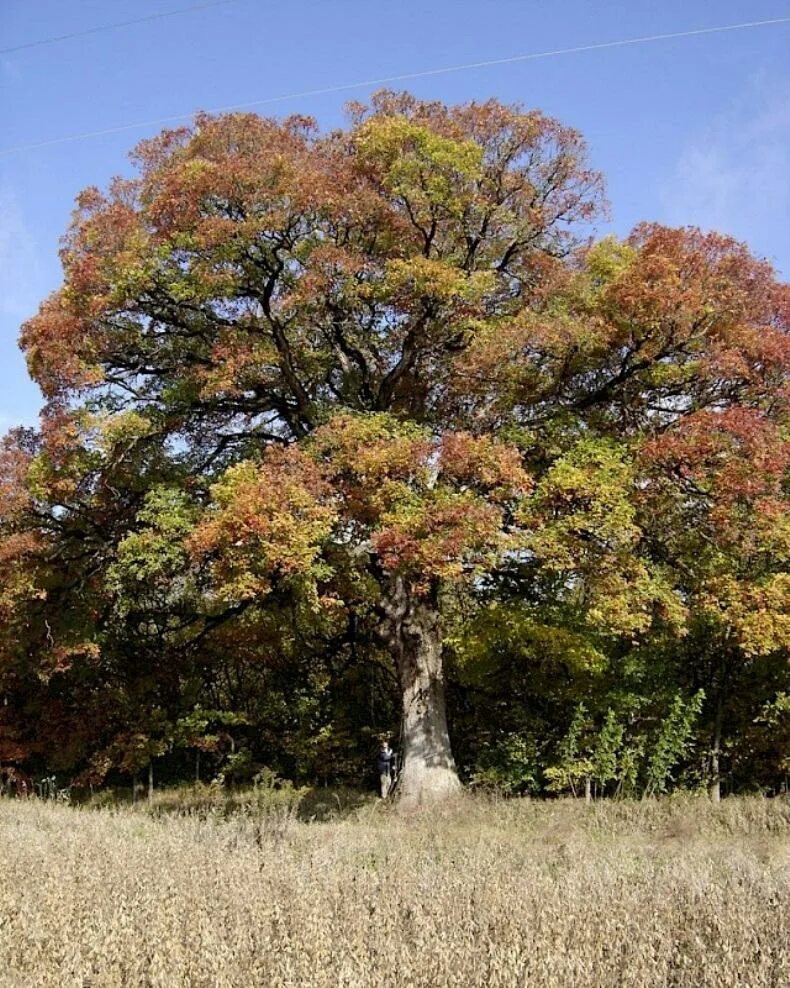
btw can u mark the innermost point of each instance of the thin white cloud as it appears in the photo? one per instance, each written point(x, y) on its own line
point(19, 289)
point(18, 261)
point(735, 177)
point(10, 70)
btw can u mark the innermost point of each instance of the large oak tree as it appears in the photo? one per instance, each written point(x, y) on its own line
point(382, 362)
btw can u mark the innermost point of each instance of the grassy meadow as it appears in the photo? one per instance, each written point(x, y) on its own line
point(480, 893)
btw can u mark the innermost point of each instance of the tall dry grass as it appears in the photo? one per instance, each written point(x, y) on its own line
point(480, 894)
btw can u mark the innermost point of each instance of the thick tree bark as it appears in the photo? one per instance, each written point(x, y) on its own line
point(412, 633)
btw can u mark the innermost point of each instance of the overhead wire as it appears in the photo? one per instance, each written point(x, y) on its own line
point(401, 77)
point(111, 27)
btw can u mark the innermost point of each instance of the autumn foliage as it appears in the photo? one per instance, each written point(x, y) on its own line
point(317, 403)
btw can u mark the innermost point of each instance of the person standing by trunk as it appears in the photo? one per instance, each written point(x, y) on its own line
point(385, 765)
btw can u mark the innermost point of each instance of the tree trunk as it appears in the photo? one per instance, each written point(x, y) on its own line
point(412, 633)
point(151, 782)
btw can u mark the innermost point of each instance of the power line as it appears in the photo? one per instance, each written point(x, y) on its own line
point(403, 77)
point(111, 27)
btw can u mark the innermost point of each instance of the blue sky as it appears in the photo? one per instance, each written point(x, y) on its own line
point(691, 130)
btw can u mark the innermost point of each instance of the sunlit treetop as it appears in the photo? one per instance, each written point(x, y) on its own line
point(259, 271)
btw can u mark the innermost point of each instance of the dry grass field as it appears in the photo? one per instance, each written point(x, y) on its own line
point(677, 892)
